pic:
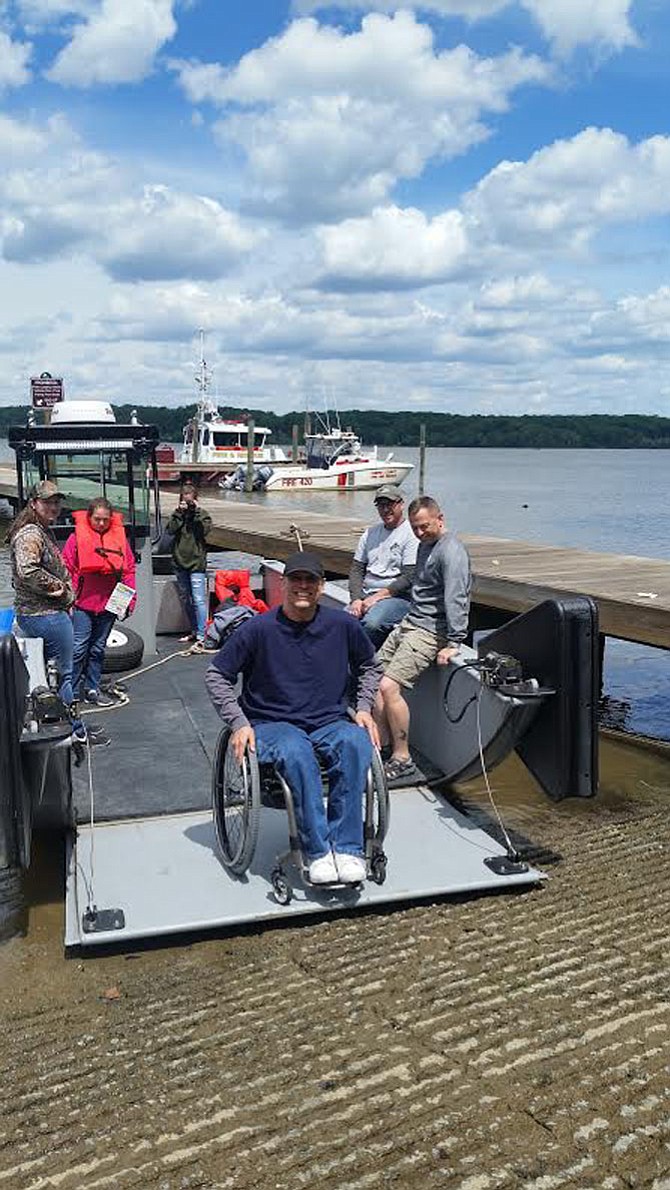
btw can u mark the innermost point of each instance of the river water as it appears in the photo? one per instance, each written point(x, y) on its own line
point(608, 500)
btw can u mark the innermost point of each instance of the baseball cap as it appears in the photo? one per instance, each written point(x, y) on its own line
point(46, 489)
point(388, 492)
point(304, 562)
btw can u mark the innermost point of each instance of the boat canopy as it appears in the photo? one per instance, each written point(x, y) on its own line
point(88, 460)
point(324, 449)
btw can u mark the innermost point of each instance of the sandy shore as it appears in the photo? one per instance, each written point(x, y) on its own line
point(510, 1041)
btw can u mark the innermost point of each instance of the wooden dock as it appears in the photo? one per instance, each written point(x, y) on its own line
point(632, 593)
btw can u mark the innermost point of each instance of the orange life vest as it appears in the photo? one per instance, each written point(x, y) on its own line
point(234, 584)
point(100, 553)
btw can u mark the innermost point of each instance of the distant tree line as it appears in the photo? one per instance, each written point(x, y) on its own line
point(546, 431)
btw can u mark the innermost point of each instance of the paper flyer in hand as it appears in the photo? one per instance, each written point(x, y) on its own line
point(119, 600)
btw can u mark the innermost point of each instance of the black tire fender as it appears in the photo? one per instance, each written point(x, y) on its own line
point(123, 651)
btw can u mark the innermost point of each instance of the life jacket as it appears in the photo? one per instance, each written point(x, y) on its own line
point(234, 585)
point(100, 553)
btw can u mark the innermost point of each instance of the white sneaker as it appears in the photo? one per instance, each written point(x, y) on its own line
point(323, 870)
point(350, 868)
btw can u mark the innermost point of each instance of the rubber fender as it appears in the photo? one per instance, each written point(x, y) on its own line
point(557, 643)
point(15, 803)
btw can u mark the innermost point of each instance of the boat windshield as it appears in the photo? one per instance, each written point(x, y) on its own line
point(81, 476)
point(236, 438)
point(322, 450)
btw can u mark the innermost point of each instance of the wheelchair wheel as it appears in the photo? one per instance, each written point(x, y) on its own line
point(236, 803)
point(381, 810)
point(283, 893)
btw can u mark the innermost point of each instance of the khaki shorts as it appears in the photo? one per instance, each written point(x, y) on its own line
point(407, 651)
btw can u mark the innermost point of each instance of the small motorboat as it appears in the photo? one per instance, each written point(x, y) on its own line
point(336, 461)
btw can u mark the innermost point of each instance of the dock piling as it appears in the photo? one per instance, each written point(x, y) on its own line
point(422, 458)
point(249, 477)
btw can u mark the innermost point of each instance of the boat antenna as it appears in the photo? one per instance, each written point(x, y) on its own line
point(335, 408)
point(203, 376)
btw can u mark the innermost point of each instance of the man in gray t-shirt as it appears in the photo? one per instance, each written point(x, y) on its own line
point(433, 629)
point(382, 571)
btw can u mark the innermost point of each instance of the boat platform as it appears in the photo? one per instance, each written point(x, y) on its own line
point(150, 863)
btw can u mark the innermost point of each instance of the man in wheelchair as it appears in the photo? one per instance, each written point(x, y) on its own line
point(296, 662)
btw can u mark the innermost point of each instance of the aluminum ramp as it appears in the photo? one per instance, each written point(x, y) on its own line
point(165, 876)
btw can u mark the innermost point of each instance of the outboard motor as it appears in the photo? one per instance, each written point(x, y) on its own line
point(235, 481)
point(261, 476)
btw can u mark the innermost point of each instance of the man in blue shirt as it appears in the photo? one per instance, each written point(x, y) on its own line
point(296, 661)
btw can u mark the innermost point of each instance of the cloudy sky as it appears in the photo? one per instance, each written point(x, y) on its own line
point(462, 206)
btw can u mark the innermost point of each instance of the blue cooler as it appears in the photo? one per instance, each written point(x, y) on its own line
point(6, 619)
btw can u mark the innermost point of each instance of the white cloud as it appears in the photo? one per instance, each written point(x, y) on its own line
point(165, 236)
point(572, 23)
point(518, 293)
point(19, 140)
point(330, 121)
point(14, 57)
point(565, 193)
point(58, 198)
point(117, 44)
point(392, 249)
point(555, 203)
point(567, 24)
point(642, 319)
point(36, 15)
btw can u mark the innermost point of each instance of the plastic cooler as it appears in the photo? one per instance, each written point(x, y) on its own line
point(6, 619)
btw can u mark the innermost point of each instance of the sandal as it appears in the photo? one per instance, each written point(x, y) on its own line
point(401, 772)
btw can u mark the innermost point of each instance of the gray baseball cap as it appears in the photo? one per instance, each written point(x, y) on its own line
point(388, 492)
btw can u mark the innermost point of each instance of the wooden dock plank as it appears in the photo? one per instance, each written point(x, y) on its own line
point(632, 593)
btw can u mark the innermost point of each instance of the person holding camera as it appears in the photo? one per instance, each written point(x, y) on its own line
point(189, 526)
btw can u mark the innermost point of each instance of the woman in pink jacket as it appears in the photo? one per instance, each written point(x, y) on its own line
point(97, 556)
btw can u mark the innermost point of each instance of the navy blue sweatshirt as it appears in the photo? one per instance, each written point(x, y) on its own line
point(293, 672)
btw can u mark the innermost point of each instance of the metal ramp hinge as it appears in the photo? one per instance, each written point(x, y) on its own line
point(102, 921)
point(502, 865)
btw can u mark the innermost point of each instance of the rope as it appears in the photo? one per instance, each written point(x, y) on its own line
point(154, 665)
point(124, 700)
point(511, 849)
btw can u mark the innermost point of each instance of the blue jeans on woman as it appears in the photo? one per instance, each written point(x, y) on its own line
point(346, 752)
point(91, 630)
point(192, 590)
point(55, 629)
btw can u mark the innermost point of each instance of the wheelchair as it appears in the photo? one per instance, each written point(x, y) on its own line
point(239, 791)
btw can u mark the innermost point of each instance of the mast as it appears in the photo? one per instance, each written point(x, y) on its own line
point(203, 379)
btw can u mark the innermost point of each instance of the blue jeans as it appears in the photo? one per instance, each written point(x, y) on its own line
point(91, 630)
point(346, 751)
point(382, 617)
point(192, 590)
point(55, 629)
